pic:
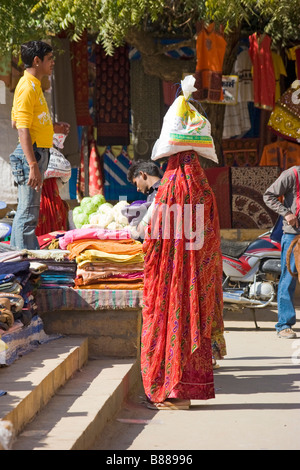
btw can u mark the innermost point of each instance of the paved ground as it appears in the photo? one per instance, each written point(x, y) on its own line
point(257, 404)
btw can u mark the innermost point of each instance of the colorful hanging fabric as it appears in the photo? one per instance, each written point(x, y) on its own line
point(115, 177)
point(240, 152)
point(95, 179)
point(80, 189)
point(112, 96)
point(283, 154)
point(210, 50)
point(79, 58)
point(263, 70)
point(95, 172)
point(285, 118)
point(279, 70)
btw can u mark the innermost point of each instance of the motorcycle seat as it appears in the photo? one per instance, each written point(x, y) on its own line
point(233, 248)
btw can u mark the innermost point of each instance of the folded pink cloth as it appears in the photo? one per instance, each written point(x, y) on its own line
point(97, 233)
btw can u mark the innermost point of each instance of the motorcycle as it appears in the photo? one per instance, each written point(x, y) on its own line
point(251, 273)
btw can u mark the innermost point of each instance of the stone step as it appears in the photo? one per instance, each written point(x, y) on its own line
point(33, 380)
point(79, 411)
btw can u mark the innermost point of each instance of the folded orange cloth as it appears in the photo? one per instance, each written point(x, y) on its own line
point(114, 286)
point(98, 266)
point(120, 247)
point(79, 281)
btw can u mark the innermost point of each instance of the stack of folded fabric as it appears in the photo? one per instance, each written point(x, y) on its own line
point(108, 263)
point(59, 272)
point(16, 285)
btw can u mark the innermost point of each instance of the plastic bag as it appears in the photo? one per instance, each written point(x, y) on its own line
point(58, 167)
point(184, 128)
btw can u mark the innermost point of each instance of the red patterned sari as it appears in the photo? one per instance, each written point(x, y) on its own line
point(183, 300)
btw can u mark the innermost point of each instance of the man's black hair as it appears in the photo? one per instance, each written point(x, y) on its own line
point(31, 49)
point(142, 165)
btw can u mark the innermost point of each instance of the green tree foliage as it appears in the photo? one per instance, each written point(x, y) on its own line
point(112, 21)
point(18, 24)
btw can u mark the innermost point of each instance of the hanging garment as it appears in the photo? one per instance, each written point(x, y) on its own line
point(240, 152)
point(210, 50)
point(283, 154)
point(115, 175)
point(95, 172)
point(112, 96)
point(294, 54)
point(242, 68)
point(79, 59)
point(180, 324)
point(236, 120)
point(279, 70)
point(95, 178)
point(263, 71)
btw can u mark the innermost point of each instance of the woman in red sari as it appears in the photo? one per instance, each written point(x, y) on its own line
point(183, 299)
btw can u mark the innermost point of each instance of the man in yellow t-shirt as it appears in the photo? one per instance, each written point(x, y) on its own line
point(30, 116)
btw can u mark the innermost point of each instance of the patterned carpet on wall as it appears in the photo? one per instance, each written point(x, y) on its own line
point(112, 96)
point(248, 187)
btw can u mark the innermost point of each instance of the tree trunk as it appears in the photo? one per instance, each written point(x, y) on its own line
point(154, 59)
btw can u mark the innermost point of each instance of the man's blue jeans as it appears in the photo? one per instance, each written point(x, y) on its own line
point(286, 288)
point(27, 215)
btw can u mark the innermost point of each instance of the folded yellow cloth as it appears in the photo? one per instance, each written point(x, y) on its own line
point(125, 247)
point(97, 255)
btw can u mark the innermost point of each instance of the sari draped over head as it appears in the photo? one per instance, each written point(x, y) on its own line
point(183, 299)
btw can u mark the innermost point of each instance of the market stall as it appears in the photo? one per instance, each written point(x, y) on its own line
point(86, 281)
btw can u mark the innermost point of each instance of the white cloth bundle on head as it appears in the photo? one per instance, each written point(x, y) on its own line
point(184, 128)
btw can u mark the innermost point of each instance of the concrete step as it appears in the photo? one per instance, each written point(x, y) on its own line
point(32, 380)
point(79, 411)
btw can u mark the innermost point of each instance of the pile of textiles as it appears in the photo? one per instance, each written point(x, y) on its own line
point(18, 284)
point(105, 259)
point(59, 272)
point(20, 339)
